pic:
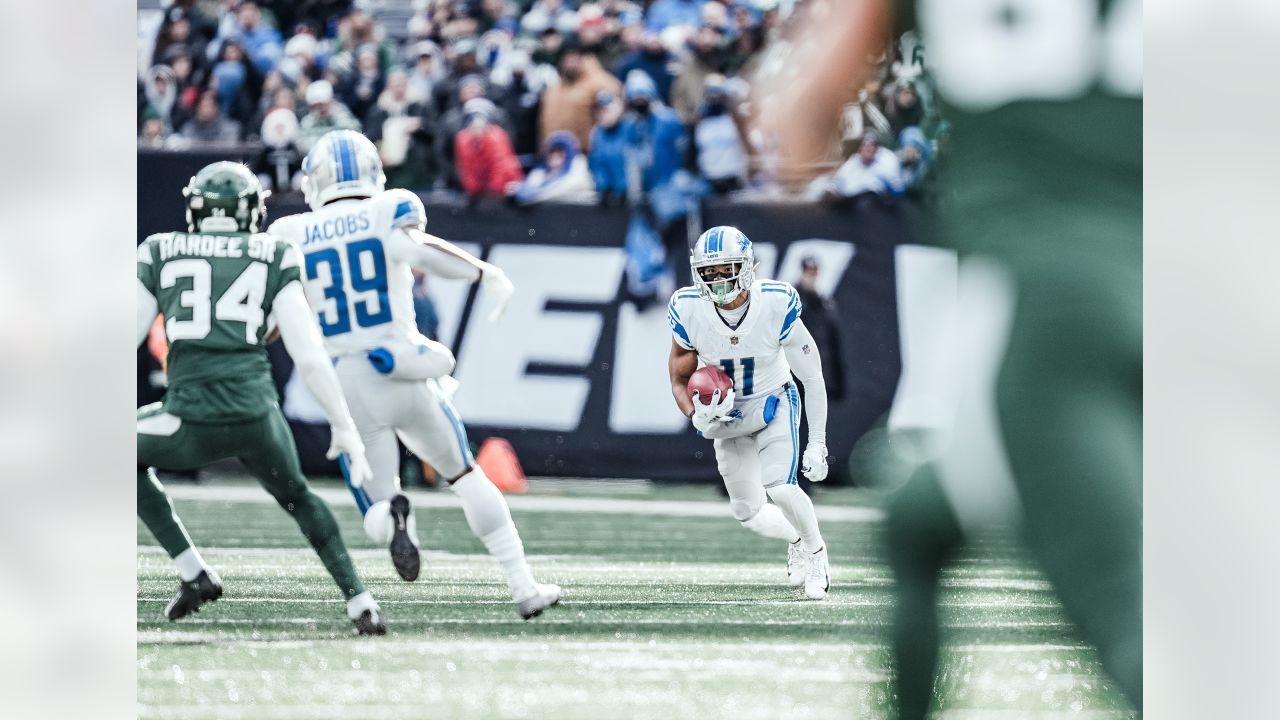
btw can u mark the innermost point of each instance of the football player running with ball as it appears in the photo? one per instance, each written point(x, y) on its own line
point(221, 286)
point(361, 244)
point(753, 331)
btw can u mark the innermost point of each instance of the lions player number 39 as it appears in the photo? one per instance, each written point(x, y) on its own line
point(366, 263)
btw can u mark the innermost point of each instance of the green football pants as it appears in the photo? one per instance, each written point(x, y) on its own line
point(265, 446)
point(1069, 395)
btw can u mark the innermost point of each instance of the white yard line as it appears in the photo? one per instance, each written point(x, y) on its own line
point(523, 503)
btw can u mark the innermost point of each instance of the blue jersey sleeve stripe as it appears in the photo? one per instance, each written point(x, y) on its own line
point(788, 322)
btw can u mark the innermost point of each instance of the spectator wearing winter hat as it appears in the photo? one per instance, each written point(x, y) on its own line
point(872, 169)
point(487, 166)
point(461, 63)
point(652, 57)
point(707, 55)
point(903, 108)
point(469, 88)
point(570, 104)
point(324, 113)
point(209, 126)
point(404, 130)
point(300, 58)
point(427, 71)
point(608, 155)
point(655, 137)
point(520, 98)
point(237, 82)
point(561, 176)
point(360, 89)
point(719, 140)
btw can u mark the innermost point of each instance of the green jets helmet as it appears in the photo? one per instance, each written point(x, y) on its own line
point(225, 197)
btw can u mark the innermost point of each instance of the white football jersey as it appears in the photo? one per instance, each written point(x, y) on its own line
point(751, 354)
point(361, 293)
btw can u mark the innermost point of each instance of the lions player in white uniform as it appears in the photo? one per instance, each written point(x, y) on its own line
point(753, 331)
point(360, 244)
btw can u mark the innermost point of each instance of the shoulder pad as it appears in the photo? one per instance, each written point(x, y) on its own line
point(405, 209)
point(145, 252)
point(783, 298)
point(680, 300)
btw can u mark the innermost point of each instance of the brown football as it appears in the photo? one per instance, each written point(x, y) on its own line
point(706, 380)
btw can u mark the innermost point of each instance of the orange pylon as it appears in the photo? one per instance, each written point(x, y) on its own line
point(499, 462)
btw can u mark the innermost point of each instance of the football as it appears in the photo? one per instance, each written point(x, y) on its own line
point(706, 380)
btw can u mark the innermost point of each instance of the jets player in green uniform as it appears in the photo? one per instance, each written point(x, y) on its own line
point(221, 287)
point(1044, 159)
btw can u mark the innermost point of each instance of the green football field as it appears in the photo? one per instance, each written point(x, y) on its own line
point(670, 610)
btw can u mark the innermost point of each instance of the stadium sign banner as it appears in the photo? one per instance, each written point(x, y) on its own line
point(575, 374)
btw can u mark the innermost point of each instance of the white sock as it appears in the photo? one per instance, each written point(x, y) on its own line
point(377, 522)
point(358, 604)
point(190, 564)
point(490, 519)
point(798, 508)
point(771, 523)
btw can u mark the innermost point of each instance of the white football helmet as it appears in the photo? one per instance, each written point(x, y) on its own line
point(720, 245)
point(343, 163)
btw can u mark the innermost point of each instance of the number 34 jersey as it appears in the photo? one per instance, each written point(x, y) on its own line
point(752, 353)
point(216, 292)
point(360, 289)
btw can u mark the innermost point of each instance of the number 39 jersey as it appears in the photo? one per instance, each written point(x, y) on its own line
point(752, 354)
point(361, 293)
point(216, 292)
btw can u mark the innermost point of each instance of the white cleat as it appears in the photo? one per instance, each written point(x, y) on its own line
point(542, 597)
point(817, 576)
point(795, 564)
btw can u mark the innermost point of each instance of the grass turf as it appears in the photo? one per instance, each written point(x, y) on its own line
point(664, 616)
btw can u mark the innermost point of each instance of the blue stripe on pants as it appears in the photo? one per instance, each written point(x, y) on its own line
point(793, 402)
point(460, 433)
point(362, 497)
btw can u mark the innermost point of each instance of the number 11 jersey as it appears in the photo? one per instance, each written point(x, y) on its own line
point(359, 288)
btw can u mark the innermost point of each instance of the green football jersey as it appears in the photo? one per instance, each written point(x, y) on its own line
point(216, 292)
point(1044, 103)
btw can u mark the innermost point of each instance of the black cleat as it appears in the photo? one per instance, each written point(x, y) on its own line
point(404, 551)
point(370, 623)
point(205, 588)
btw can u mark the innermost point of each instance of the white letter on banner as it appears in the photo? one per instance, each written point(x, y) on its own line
point(495, 388)
point(449, 297)
point(642, 399)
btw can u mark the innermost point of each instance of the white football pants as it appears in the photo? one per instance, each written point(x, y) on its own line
point(412, 410)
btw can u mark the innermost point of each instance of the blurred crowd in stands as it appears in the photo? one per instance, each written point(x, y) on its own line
point(643, 103)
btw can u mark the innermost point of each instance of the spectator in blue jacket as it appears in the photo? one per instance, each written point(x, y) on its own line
point(261, 41)
point(653, 58)
point(608, 150)
point(656, 139)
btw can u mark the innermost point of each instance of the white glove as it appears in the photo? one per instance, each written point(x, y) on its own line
point(705, 417)
point(346, 441)
point(814, 462)
point(499, 287)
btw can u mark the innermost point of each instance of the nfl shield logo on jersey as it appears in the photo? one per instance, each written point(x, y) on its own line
point(733, 340)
